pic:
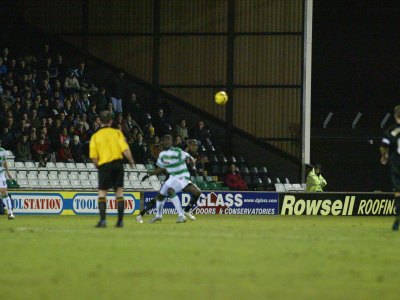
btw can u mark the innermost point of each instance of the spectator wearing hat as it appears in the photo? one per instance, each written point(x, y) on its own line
point(64, 153)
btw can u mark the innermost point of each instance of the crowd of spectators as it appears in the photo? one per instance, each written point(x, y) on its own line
point(49, 110)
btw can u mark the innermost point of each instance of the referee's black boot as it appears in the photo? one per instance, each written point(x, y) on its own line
point(396, 226)
point(119, 224)
point(101, 224)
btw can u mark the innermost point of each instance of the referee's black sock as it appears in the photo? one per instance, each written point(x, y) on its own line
point(149, 206)
point(192, 202)
point(121, 208)
point(397, 207)
point(102, 208)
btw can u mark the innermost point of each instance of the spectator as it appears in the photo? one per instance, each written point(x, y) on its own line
point(161, 124)
point(64, 153)
point(3, 68)
point(39, 152)
point(77, 150)
point(133, 107)
point(54, 135)
point(116, 88)
point(61, 67)
point(71, 84)
point(181, 129)
point(111, 109)
point(129, 123)
point(155, 148)
point(101, 99)
point(179, 143)
point(234, 181)
point(201, 133)
point(22, 150)
point(63, 136)
point(139, 150)
point(315, 182)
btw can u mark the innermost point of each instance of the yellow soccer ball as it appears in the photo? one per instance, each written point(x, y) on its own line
point(221, 98)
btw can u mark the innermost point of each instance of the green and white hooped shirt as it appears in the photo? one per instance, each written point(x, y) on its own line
point(174, 161)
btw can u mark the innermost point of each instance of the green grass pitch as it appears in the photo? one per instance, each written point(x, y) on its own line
point(216, 257)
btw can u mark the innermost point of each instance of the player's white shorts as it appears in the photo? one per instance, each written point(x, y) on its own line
point(177, 183)
point(3, 182)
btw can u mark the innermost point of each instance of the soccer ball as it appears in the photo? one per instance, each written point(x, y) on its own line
point(221, 98)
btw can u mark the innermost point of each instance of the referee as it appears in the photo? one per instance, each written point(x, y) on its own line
point(107, 148)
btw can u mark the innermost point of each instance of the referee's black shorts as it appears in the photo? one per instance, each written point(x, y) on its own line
point(111, 175)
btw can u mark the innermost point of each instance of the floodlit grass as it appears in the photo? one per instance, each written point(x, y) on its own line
point(216, 257)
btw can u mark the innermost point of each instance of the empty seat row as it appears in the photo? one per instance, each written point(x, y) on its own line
point(60, 166)
point(74, 184)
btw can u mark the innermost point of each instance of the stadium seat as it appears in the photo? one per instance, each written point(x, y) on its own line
point(162, 177)
point(30, 165)
point(268, 184)
point(34, 184)
point(132, 176)
point(136, 185)
point(289, 187)
point(51, 166)
point(53, 175)
point(254, 171)
point(70, 166)
point(222, 159)
point(95, 183)
point(44, 184)
point(232, 160)
point(279, 187)
point(9, 155)
point(156, 185)
point(146, 185)
point(298, 187)
point(149, 167)
point(42, 176)
point(20, 165)
point(258, 183)
point(65, 183)
point(32, 176)
point(76, 184)
point(126, 176)
point(55, 184)
point(63, 175)
point(277, 180)
point(86, 184)
point(286, 180)
point(90, 166)
point(213, 158)
point(81, 166)
point(140, 167)
point(23, 183)
point(61, 166)
point(153, 178)
point(199, 178)
point(82, 176)
point(21, 175)
point(13, 174)
point(262, 171)
point(73, 176)
point(248, 181)
point(244, 171)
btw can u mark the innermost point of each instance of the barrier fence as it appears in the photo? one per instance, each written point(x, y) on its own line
point(224, 202)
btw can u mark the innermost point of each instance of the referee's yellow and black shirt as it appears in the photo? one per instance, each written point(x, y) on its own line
point(107, 145)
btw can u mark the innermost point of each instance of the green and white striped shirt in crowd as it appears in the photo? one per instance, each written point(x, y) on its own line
point(3, 156)
point(174, 161)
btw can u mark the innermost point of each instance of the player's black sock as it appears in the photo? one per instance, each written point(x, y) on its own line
point(121, 208)
point(149, 206)
point(192, 202)
point(102, 208)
